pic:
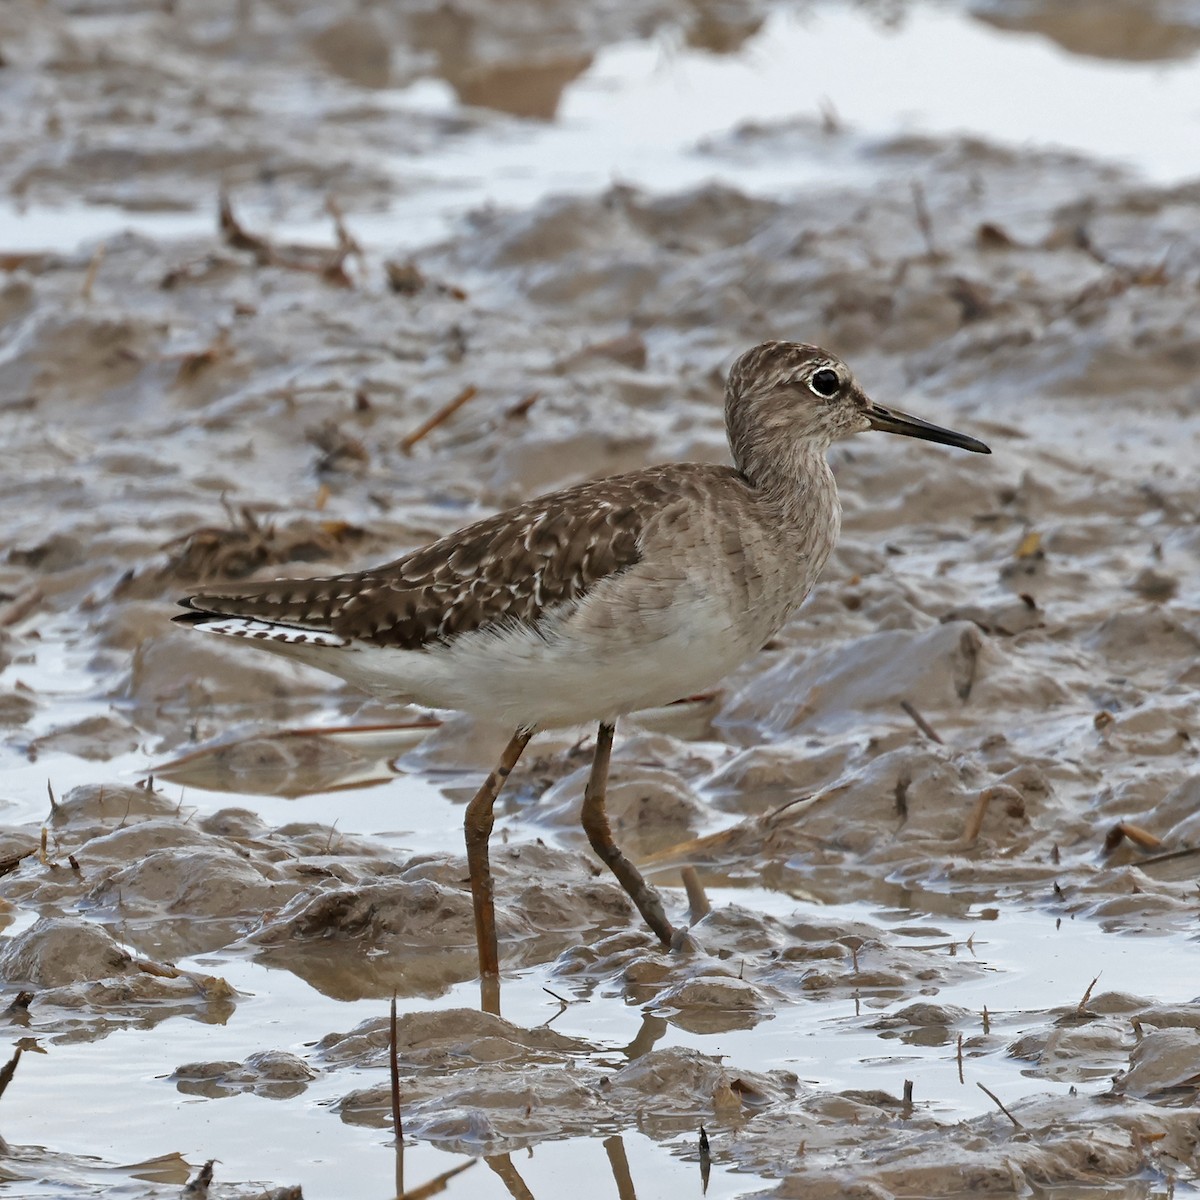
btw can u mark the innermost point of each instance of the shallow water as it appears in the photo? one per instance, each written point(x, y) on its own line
point(1026, 964)
point(644, 110)
point(1085, 710)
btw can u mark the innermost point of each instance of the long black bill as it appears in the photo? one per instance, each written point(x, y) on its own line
point(888, 420)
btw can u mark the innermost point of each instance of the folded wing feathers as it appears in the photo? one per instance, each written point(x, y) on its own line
point(511, 567)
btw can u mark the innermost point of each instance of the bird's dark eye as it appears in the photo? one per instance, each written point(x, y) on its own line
point(825, 382)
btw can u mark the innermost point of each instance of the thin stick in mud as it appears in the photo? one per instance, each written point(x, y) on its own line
point(198, 1188)
point(442, 415)
point(8, 1070)
point(698, 905)
point(920, 722)
point(999, 1104)
point(924, 223)
point(974, 823)
point(522, 407)
point(394, 1069)
point(1081, 1007)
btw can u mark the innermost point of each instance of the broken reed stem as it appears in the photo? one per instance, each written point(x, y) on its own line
point(1169, 855)
point(999, 1104)
point(1124, 831)
point(93, 269)
point(9, 1069)
point(235, 236)
point(924, 224)
point(974, 823)
point(328, 263)
point(442, 415)
point(1081, 1007)
point(197, 1189)
point(960, 1060)
point(920, 722)
point(698, 905)
point(346, 240)
point(394, 1068)
point(522, 407)
point(19, 1004)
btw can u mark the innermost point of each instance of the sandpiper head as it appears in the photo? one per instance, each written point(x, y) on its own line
point(793, 392)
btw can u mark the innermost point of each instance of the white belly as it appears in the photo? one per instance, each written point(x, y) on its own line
point(620, 651)
point(639, 639)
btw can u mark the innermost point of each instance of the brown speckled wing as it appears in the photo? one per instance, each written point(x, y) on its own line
point(512, 567)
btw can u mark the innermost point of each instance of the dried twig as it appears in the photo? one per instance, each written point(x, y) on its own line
point(1125, 831)
point(999, 1104)
point(327, 262)
point(442, 415)
point(522, 407)
point(975, 820)
point(89, 279)
point(346, 240)
point(920, 722)
point(198, 1188)
point(7, 1071)
point(924, 224)
point(1186, 852)
point(1081, 1007)
point(698, 905)
point(394, 1068)
point(237, 237)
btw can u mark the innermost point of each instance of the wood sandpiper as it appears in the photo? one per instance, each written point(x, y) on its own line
point(596, 601)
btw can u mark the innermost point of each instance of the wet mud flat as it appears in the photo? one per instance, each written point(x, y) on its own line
point(946, 823)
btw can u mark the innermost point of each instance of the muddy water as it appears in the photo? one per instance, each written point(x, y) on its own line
point(588, 213)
